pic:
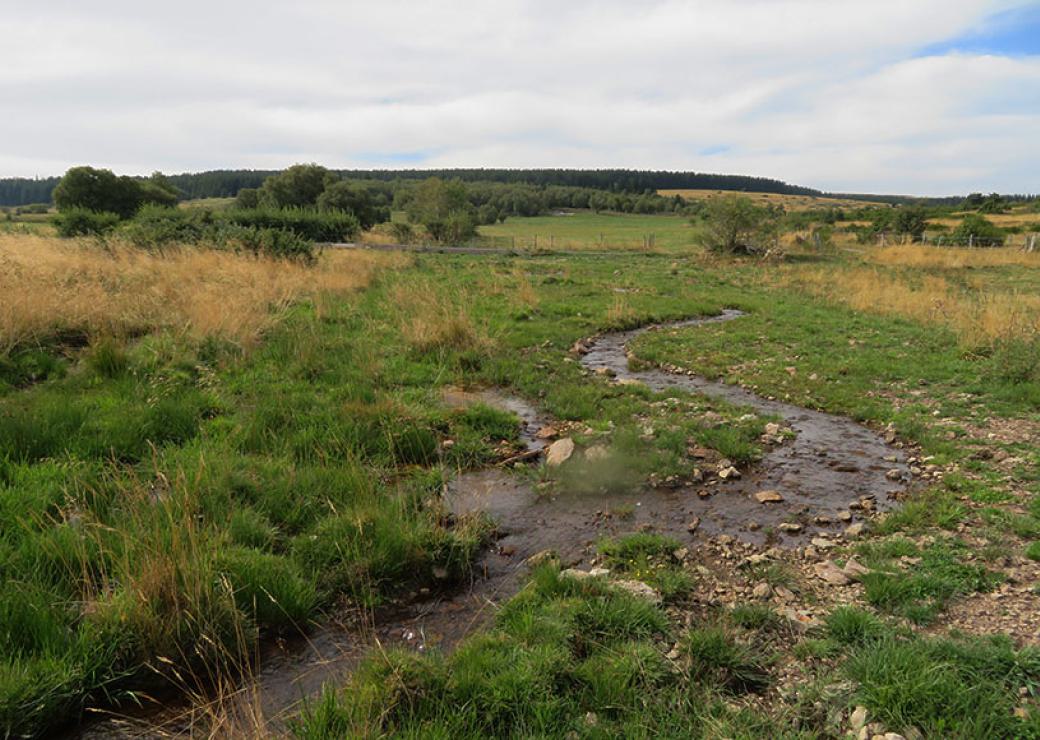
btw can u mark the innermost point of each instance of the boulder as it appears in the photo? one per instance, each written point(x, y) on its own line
point(559, 452)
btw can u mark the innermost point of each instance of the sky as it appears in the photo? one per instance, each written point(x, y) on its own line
point(923, 97)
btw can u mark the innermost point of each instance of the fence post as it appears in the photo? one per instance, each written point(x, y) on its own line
point(536, 241)
point(971, 240)
point(552, 241)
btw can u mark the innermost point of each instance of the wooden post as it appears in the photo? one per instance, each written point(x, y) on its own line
point(552, 241)
point(971, 240)
point(536, 241)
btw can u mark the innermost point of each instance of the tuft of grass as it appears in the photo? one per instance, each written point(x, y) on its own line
point(717, 657)
point(754, 617)
point(849, 625)
point(947, 688)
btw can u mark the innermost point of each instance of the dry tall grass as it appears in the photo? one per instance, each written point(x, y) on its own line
point(51, 287)
point(918, 255)
point(432, 317)
point(978, 317)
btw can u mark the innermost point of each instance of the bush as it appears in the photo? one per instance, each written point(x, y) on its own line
point(156, 226)
point(978, 230)
point(735, 225)
point(84, 222)
point(328, 226)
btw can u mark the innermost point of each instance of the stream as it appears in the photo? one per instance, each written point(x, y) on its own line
point(832, 462)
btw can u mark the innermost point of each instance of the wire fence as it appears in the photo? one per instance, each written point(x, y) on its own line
point(1025, 242)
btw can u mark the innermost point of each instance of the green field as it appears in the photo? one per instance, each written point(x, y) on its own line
point(587, 230)
point(170, 502)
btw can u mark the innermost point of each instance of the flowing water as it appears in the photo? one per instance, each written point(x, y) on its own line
point(831, 462)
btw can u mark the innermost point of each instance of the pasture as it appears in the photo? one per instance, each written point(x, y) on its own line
point(204, 452)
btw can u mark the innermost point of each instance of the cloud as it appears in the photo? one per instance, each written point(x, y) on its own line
point(829, 93)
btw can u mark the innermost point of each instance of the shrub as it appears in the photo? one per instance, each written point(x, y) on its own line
point(327, 226)
point(735, 225)
point(84, 222)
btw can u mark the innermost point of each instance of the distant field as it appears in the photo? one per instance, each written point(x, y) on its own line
point(588, 230)
point(790, 202)
point(212, 203)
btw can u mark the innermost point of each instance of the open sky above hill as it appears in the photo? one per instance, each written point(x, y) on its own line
point(929, 97)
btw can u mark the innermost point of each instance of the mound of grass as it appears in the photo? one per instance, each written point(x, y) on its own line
point(964, 688)
point(648, 557)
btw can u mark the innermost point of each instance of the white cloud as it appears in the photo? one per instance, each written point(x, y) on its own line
point(819, 92)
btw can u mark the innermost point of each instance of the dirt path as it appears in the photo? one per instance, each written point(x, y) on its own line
point(824, 476)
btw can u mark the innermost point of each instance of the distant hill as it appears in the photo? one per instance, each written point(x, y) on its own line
point(17, 191)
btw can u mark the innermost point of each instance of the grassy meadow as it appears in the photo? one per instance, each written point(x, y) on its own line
point(203, 450)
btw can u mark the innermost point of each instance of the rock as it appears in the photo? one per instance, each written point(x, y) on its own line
point(893, 736)
point(854, 570)
point(729, 473)
point(845, 516)
point(831, 573)
point(559, 452)
point(791, 527)
point(694, 524)
point(639, 589)
point(768, 497)
point(753, 526)
point(894, 474)
point(575, 573)
point(697, 476)
point(772, 429)
point(785, 594)
point(591, 719)
point(681, 553)
point(821, 543)
point(762, 591)
point(440, 572)
point(604, 372)
point(858, 718)
point(628, 381)
point(546, 432)
point(544, 556)
point(597, 453)
point(599, 572)
point(799, 620)
point(855, 530)
point(580, 348)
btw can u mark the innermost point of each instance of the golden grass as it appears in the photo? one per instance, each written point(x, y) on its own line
point(789, 202)
point(952, 258)
point(52, 286)
point(977, 317)
point(431, 317)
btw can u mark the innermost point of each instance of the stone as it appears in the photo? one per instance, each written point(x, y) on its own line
point(772, 429)
point(762, 591)
point(729, 473)
point(855, 530)
point(858, 718)
point(894, 474)
point(628, 381)
point(599, 572)
point(681, 553)
point(845, 516)
point(831, 573)
point(640, 590)
point(854, 569)
point(694, 524)
point(546, 432)
point(768, 497)
point(559, 452)
point(791, 527)
point(575, 573)
point(597, 453)
point(822, 543)
point(591, 719)
point(604, 372)
point(543, 556)
point(580, 348)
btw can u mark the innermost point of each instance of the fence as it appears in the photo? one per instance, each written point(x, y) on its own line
point(1026, 242)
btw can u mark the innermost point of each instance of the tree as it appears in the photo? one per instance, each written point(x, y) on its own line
point(910, 220)
point(248, 198)
point(368, 205)
point(976, 229)
point(297, 187)
point(444, 209)
point(735, 225)
point(97, 190)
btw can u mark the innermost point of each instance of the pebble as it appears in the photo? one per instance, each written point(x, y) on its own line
point(768, 497)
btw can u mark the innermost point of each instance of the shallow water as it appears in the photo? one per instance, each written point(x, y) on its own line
point(831, 463)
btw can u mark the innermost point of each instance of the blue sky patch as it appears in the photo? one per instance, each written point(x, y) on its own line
point(1012, 33)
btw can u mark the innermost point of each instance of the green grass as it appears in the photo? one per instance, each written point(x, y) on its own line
point(160, 495)
point(594, 231)
point(564, 656)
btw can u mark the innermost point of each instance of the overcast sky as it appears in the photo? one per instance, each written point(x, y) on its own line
point(898, 96)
